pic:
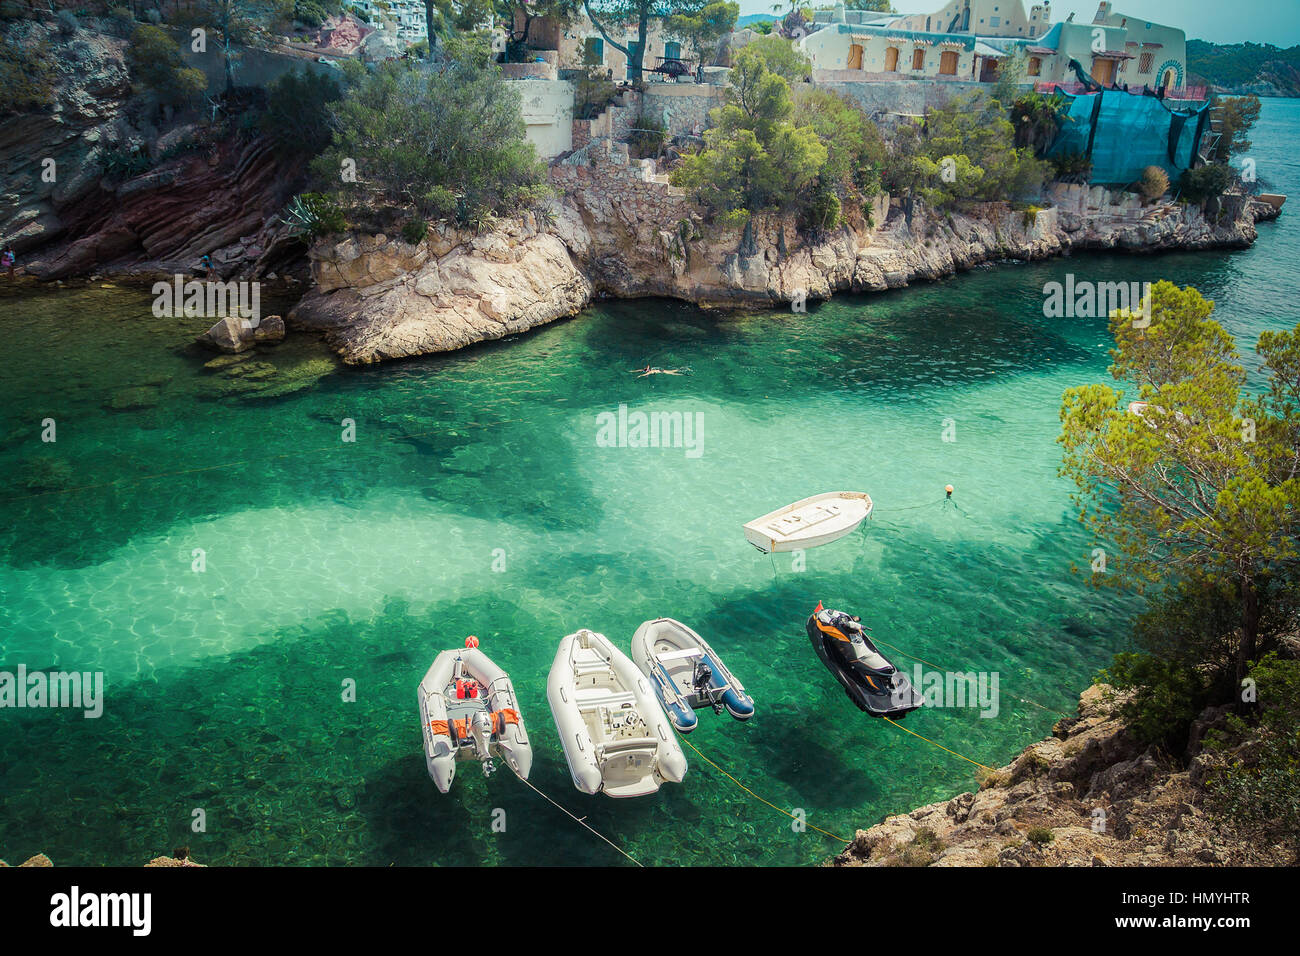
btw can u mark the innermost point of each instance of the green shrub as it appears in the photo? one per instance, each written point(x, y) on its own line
point(823, 211)
point(647, 138)
point(125, 162)
point(1072, 167)
point(154, 59)
point(1166, 696)
point(26, 76)
point(309, 12)
point(449, 142)
point(415, 230)
point(1256, 790)
point(120, 20)
point(755, 159)
point(297, 113)
point(1036, 117)
point(1205, 182)
point(1040, 835)
point(968, 154)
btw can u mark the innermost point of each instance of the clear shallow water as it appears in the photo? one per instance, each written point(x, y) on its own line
point(328, 561)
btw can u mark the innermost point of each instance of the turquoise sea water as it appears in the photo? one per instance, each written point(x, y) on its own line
point(476, 499)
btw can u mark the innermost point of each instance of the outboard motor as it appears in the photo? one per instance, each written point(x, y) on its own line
point(481, 730)
point(702, 684)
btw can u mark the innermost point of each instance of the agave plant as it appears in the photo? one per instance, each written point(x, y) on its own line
point(311, 214)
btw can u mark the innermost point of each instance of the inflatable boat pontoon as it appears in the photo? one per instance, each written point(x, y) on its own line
point(809, 523)
point(469, 712)
point(613, 731)
point(874, 684)
point(687, 673)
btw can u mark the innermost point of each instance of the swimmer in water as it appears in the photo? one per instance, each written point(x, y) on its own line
point(660, 371)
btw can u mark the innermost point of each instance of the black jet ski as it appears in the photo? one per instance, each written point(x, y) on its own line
point(874, 684)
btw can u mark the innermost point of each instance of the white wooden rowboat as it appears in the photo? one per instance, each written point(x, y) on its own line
point(809, 523)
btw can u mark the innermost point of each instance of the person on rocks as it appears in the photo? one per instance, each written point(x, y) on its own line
point(7, 260)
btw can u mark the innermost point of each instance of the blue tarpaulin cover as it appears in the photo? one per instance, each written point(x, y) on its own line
point(1123, 133)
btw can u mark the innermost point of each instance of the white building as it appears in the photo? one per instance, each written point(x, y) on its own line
point(967, 39)
point(407, 15)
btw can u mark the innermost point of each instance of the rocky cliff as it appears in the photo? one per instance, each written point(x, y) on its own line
point(1089, 795)
point(69, 206)
point(617, 229)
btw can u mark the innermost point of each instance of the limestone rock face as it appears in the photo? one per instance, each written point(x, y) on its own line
point(1090, 795)
point(385, 299)
point(617, 228)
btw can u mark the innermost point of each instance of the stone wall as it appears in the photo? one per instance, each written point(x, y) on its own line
point(877, 99)
point(602, 174)
point(529, 71)
point(683, 108)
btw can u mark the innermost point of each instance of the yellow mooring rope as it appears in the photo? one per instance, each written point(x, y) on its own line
point(1023, 700)
point(579, 820)
point(758, 798)
point(939, 745)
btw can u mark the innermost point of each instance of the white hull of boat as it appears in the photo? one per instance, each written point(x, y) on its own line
point(440, 709)
point(668, 653)
point(616, 738)
point(809, 523)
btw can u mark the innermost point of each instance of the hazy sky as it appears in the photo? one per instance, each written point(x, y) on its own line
point(1263, 21)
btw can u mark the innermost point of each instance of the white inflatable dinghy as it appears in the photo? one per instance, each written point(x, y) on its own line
point(687, 673)
point(469, 712)
point(615, 735)
point(809, 523)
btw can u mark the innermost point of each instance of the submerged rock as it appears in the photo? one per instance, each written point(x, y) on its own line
point(228, 335)
point(255, 376)
point(225, 361)
point(134, 399)
point(233, 334)
point(269, 330)
point(44, 473)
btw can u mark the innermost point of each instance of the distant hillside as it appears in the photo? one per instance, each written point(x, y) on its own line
point(1238, 68)
point(751, 18)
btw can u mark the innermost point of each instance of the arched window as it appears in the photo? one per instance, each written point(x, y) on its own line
point(1035, 67)
point(891, 59)
point(918, 59)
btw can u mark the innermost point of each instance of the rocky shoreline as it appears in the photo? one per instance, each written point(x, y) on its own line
point(1089, 795)
point(615, 228)
point(620, 232)
point(40, 860)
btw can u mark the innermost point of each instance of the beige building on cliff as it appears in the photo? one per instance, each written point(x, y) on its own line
point(967, 40)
